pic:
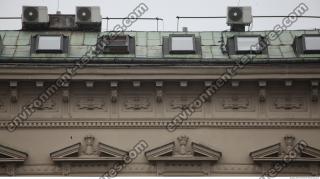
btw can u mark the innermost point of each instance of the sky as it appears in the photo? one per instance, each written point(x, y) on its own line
point(169, 10)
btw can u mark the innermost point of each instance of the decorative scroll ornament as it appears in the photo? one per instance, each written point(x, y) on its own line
point(181, 103)
point(137, 103)
point(91, 103)
point(288, 103)
point(235, 103)
point(48, 105)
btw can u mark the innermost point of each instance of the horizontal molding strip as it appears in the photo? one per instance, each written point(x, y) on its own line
point(163, 124)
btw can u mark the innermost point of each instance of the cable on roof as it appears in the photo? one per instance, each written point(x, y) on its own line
point(238, 3)
point(224, 17)
point(138, 18)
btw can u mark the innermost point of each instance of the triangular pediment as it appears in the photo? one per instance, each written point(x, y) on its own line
point(205, 152)
point(304, 152)
point(162, 151)
point(267, 152)
point(8, 154)
point(67, 152)
point(173, 152)
point(310, 152)
point(107, 151)
point(88, 152)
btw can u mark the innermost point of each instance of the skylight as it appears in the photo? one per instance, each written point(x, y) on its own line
point(49, 44)
point(248, 44)
point(182, 44)
point(311, 44)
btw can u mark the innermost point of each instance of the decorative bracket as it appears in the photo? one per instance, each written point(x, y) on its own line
point(235, 83)
point(314, 169)
point(136, 84)
point(39, 84)
point(159, 91)
point(183, 83)
point(262, 91)
point(288, 83)
point(66, 169)
point(114, 91)
point(207, 84)
point(314, 91)
point(13, 91)
point(11, 169)
point(65, 92)
point(89, 84)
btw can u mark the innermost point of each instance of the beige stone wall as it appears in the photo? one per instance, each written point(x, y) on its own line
point(235, 121)
point(235, 145)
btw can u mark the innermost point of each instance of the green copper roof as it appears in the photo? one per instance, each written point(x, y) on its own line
point(149, 46)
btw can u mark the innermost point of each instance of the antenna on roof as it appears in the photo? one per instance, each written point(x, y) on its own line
point(58, 7)
point(238, 3)
point(184, 29)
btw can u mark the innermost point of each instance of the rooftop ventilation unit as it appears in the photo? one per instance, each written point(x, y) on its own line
point(239, 17)
point(88, 18)
point(62, 22)
point(34, 17)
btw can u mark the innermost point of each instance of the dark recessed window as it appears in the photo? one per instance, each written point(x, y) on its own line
point(123, 44)
point(50, 44)
point(182, 43)
point(307, 44)
point(246, 45)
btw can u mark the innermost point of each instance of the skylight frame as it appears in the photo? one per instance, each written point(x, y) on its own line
point(259, 51)
point(40, 50)
point(304, 45)
point(171, 51)
point(114, 43)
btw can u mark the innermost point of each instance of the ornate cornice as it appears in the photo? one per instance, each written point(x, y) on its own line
point(160, 72)
point(163, 124)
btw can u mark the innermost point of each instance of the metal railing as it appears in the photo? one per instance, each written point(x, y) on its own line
point(224, 17)
point(105, 18)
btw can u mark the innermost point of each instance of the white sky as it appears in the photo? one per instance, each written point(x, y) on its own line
point(169, 9)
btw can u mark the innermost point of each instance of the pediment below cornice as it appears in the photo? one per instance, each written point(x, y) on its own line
point(88, 152)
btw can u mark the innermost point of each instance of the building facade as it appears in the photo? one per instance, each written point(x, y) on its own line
point(159, 103)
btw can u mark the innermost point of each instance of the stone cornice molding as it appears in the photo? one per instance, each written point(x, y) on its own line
point(162, 124)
